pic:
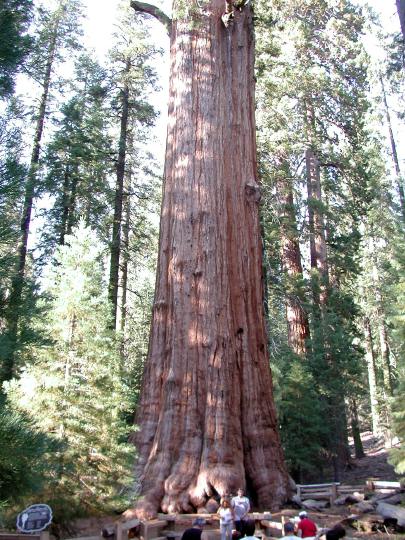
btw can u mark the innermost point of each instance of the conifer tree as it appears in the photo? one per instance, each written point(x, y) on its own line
point(57, 30)
point(81, 360)
point(15, 42)
point(312, 80)
point(133, 77)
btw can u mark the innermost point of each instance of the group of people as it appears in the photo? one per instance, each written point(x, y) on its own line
point(306, 528)
point(234, 524)
point(232, 520)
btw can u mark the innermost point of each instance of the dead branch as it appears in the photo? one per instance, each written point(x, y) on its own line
point(150, 9)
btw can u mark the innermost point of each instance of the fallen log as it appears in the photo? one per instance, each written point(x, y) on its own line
point(389, 511)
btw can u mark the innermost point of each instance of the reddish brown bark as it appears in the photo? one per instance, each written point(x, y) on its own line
point(297, 319)
point(207, 421)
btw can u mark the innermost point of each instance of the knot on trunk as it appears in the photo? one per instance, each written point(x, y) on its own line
point(160, 304)
point(253, 192)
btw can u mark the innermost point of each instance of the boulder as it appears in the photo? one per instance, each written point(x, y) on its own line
point(398, 498)
point(389, 511)
point(364, 507)
point(386, 497)
point(297, 500)
point(212, 506)
point(311, 504)
point(340, 500)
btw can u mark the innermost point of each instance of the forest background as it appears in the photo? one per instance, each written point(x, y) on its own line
point(80, 188)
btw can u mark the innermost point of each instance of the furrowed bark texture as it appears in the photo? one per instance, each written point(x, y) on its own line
point(297, 319)
point(207, 418)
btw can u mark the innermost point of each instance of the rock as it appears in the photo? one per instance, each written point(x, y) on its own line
point(311, 504)
point(397, 498)
point(297, 500)
point(364, 507)
point(212, 506)
point(389, 511)
point(340, 500)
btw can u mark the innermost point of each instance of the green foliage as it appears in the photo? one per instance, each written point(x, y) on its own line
point(15, 43)
point(397, 455)
point(74, 387)
point(302, 419)
point(24, 455)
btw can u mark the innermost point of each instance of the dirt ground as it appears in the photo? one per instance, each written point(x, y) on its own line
point(373, 465)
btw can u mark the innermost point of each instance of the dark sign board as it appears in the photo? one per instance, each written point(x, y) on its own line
point(35, 518)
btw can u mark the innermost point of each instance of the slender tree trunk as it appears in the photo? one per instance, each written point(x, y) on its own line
point(317, 225)
point(30, 188)
point(72, 217)
point(320, 287)
point(382, 331)
point(125, 260)
point(371, 371)
point(354, 421)
point(119, 189)
point(207, 417)
point(65, 205)
point(297, 319)
point(394, 151)
point(401, 15)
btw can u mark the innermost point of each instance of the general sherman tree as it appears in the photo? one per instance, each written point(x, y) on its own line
point(207, 421)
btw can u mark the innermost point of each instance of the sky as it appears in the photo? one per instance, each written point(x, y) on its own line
point(100, 25)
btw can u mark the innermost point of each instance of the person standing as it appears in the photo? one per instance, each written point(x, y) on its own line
point(225, 519)
point(240, 506)
point(306, 527)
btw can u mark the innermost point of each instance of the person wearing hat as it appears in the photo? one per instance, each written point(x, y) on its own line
point(196, 531)
point(289, 532)
point(306, 527)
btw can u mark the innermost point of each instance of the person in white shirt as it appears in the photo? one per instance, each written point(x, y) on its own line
point(225, 520)
point(240, 506)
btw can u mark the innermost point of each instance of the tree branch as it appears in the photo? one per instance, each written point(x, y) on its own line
point(143, 7)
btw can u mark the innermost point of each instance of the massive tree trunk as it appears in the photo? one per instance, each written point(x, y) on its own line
point(207, 421)
point(297, 319)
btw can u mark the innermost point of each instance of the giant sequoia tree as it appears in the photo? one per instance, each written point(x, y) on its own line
point(207, 420)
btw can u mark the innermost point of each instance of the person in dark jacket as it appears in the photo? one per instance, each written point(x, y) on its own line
point(196, 531)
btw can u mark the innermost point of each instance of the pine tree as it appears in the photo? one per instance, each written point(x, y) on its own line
point(81, 360)
point(133, 77)
point(312, 102)
point(57, 29)
point(78, 158)
point(15, 42)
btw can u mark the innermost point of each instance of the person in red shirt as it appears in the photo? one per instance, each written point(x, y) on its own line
point(306, 527)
